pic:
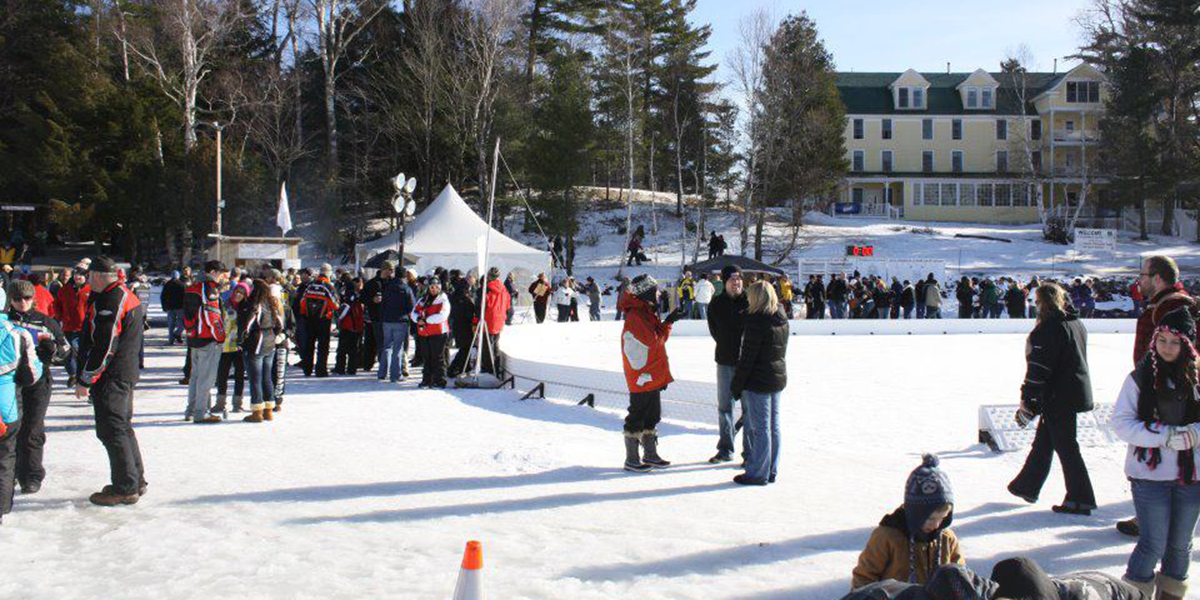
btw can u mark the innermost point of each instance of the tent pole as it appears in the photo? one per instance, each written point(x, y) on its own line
point(487, 249)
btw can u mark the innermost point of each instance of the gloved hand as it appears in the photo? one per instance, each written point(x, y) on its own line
point(675, 316)
point(1023, 417)
point(1183, 438)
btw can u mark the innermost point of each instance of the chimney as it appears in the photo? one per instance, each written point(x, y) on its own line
point(947, 67)
point(1056, 66)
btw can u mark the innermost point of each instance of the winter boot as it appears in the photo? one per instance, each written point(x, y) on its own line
point(268, 413)
point(221, 406)
point(112, 498)
point(633, 462)
point(254, 417)
point(650, 443)
point(1130, 527)
point(211, 418)
point(237, 403)
point(108, 489)
point(1170, 588)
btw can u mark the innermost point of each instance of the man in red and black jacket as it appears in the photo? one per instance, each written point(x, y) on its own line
point(112, 336)
point(318, 305)
point(204, 321)
point(69, 309)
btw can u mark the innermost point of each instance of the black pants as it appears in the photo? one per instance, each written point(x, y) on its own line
point(187, 362)
point(463, 340)
point(433, 371)
point(1056, 435)
point(112, 402)
point(564, 312)
point(964, 312)
point(369, 348)
point(8, 467)
point(347, 353)
point(645, 411)
point(231, 360)
point(35, 399)
point(539, 311)
point(491, 359)
point(316, 340)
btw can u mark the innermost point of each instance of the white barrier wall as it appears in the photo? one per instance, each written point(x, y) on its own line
point(695, 401)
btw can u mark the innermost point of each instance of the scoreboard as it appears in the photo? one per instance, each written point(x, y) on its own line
point(860, 250)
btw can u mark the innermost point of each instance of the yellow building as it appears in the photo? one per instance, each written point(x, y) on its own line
point(979, 147)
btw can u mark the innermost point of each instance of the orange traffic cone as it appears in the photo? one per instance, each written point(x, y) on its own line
point(470, 577)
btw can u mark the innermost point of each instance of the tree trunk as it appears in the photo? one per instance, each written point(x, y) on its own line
point(535, 23)
point(1143, 234)
point(1168, 222)
point(331, 130)
point(758, 233)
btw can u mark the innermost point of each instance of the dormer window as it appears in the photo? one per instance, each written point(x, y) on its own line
point(978, 98)
point(910, 97)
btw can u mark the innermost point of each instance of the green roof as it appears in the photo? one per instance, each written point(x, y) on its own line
point(869, 94)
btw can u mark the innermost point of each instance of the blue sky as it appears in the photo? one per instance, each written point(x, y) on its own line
point(878, 35)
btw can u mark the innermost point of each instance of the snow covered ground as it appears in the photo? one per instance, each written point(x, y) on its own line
point(365, 489)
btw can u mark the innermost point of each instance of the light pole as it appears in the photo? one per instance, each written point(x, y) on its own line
point(404, 206)
point(216, 125)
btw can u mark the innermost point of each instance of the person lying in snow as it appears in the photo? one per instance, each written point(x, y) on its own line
point(949, 582)
point(913, 541)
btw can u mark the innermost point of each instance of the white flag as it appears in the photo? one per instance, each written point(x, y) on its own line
point(283, 218)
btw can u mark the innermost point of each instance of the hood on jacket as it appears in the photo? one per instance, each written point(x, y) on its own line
point(899, 520)
point(628, 302)
point(1022, 579)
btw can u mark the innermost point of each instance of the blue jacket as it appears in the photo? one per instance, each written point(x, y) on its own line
point(398, 301)
point(18, 364)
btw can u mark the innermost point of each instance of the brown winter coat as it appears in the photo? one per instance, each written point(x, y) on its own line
point(887, 554)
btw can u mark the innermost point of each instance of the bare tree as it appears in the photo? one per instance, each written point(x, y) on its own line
point(746, 62)
point(488, 35)
point(423, 68)
point(1028, 149)
point(621, 45)
point(175, 47)
point(338, 23)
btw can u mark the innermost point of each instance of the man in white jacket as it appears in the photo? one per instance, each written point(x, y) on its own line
point(704, 295)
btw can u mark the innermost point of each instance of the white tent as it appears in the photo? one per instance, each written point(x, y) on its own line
point(449, 234)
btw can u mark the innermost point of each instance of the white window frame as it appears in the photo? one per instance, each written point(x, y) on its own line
point(932, 129)
point(903, 97)
point(858, 160)
point(959, 124)
point(861, 193)
point(957, 154)
point(887, 161)
point(972, 97)
point(858, 128)
point(932, 161)
point(987, 97)
point(1007, 165)
point(886, 129)
point(918, 97)
point(1001, 129)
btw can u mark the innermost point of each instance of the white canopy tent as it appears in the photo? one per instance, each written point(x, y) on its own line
point(449, 234)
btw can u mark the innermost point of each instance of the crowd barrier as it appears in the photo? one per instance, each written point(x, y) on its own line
point(696, 401)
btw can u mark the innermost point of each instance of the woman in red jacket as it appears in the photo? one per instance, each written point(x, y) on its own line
point(647, 371)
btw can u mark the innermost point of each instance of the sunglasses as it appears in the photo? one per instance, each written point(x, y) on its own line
point(22, 298)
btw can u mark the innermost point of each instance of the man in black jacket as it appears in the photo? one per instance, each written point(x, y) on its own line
point(1057, 386)
point(373, 331)
point(172, 303)
point(112, 335)
point(726, 319)
point(464, 311)
point(52, 347)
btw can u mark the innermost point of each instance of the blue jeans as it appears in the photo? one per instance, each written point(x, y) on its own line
point(920, 310)
point(260, 370)
point(175, 325)
point(725, 411)
point(395, 345)
point(762, 434)
point(686, 305)
point(837, 310)
point(908, 310)
point(701, 311)
point(73, 360)
point(1167, 512)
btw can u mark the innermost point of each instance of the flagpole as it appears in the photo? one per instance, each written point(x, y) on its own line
point(483, 271)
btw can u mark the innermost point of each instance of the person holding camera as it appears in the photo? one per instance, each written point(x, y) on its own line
point(647, 371)
point(1058, 387)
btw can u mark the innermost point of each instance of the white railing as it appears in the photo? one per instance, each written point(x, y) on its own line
point(1076, 135)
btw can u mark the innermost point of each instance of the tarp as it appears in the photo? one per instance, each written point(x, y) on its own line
point(714, 265)
point(449, 234)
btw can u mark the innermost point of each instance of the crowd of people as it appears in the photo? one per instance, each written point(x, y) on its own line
point(242, 325)
point(913, 553)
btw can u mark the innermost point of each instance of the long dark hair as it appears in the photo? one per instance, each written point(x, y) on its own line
point(261, 296)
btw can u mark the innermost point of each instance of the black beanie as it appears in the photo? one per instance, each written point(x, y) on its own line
point(729, 270)
point(1022, 579)
point(1180, 321)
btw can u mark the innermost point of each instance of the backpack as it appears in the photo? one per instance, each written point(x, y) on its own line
point(315, 302)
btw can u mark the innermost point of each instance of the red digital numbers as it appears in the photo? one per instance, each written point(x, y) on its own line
point(860, 250)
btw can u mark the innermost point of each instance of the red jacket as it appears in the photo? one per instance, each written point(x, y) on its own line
point(496, 311)
point(350, 317)
point(432, 316)
point(43, 300)
point(643, 346)
point(1162, 304)
point(71, 306)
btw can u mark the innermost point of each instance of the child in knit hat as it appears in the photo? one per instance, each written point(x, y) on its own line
point(913, 541)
